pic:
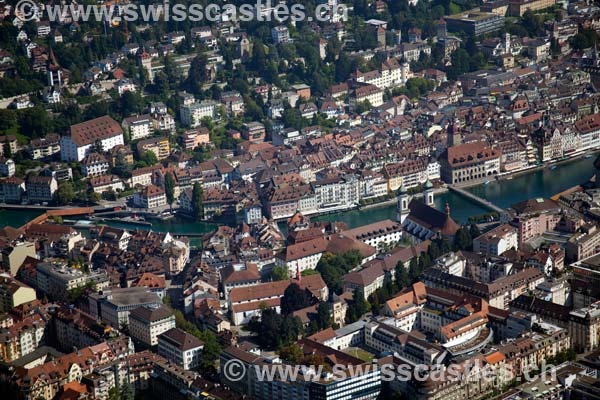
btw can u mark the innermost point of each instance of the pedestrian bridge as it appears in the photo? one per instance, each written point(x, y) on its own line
point(476, 199)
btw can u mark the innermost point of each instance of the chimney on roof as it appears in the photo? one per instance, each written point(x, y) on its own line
point(447, 209)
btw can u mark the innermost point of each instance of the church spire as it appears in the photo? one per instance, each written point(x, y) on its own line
point(54, 71)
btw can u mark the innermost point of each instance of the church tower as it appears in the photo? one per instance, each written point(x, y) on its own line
point(54, 71)
point(453, 132)
point(403, 199)
point(145, 61)
point(506, 38)
point(428, 192)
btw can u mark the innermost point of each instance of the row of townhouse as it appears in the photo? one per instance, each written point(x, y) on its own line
point(326, 193)
point(35, 189)
point(410, 173)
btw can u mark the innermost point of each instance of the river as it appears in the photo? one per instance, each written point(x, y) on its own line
point(540, 183)
point(503, 193)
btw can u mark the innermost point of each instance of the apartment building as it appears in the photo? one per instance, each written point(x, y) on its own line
point(104, 131)
point(192, 114)
point(498, 293)
point(377, 234)
point(160, 146)
point(40, 188)
point(516, 8)
point(408, 173)
point(367, 280)
point(234, 102)
point(7, 167)
point(497, 240)
point(180, 347)
point(94, 164)
point(583, 244)
point(21, 337)
point(474, 22)
point(106, 183)
point(367, 93)
point(13, 255)
point(148, 322)
point(588, 128)
point(150, 197)
point(584, 327)
point(138, 127)
point(195, 137)
point(14, 293)
point(280, 34)
point(11, 142)
point(56, 280)
point(533, 217)
point(363, 383)
point(77, 329)
point(390, 74)
point(12, 189)
point(46, 380)
point(336, 191)
point(253, 131)
point(113, 306)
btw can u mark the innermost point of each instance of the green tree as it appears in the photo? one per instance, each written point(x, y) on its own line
point(197, 74)
point(534, 23)
point(259, 58)
point(161, 86)
point(198, 201)
point(462, 239)
point(93, 197)
point(291, 118)
point(357, 308)
point(113, 393)
point(414, 269)
point(170, 188)
point(402, 279)
point(275, 330)
point(34, 122)
point(8, 120)
point(149, 158)
point(294, 298)
point(333, 266)
point(425, 262)
point(64, 194)
point(127, 392)
point(460, 63)
point(210, 351)
point(131, 103)
point(363, 107)
point(291, 352)
point(76, 294)
point(324, 319)
point(280, 273)
point(585, 39)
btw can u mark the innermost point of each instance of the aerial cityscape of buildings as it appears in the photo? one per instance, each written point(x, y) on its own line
point(398, 203)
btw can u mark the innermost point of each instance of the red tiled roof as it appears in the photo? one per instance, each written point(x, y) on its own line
point(96, 129)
